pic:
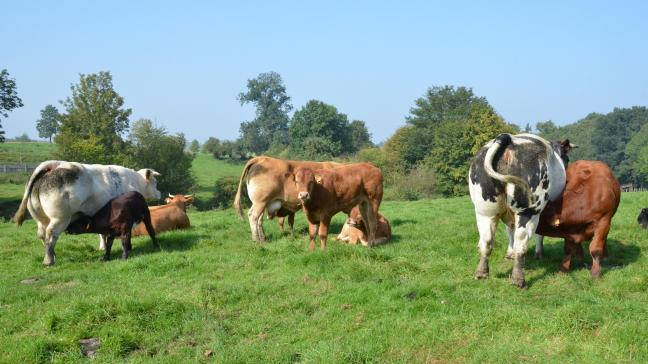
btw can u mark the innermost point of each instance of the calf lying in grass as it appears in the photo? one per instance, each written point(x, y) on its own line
point(117, 218)
point(354, 229)
point(172, 216)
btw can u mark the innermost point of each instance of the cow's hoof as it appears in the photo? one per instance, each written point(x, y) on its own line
point(481, 275)
point(519, 282)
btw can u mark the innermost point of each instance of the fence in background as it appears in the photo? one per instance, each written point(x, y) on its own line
point(629, 187)
point(9, 168)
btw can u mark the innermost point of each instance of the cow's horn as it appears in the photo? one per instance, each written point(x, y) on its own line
point(170, 195)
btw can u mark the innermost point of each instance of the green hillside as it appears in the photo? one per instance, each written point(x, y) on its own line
point(26, 152)
point(211, 290)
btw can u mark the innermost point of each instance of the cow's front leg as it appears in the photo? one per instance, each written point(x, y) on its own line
point(539, 249)
point(126, 244)
point(109, 243)
point(291, 222)
point(312, 231)
point(323, 231)
point(486, 226)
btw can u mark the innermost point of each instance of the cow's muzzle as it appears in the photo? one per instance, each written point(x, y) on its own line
point(304, 196)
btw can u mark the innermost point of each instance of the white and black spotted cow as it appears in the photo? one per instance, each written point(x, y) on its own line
point(58, 192)
point(511, 179)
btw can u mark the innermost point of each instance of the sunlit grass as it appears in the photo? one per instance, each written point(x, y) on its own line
point(413, 300)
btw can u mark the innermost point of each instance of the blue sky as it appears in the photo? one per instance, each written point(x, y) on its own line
point(183, 65)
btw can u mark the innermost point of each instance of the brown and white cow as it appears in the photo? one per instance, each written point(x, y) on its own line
point(271, 186)
point(583, 212)
point(354, 230)
point(325, 192)
point(172, 216)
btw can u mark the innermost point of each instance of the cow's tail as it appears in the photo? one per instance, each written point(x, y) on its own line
point(501, 142)
point(237, 198)
point(39, 172)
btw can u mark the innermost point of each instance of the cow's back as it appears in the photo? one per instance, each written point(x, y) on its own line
point(165, 218)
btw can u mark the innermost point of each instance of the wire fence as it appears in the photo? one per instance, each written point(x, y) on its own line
point(12, 168)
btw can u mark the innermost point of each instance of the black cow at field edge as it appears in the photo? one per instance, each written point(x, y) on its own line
point(643, 218)
point(117, 218)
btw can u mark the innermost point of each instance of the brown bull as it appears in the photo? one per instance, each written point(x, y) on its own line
point(270, 185)
point(584, 212)
point(325, 192)
point(354, 229)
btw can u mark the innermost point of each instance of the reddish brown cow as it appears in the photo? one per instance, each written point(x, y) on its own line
point(354, 229)
point(325, 192)
point(584, 212)
point(171, 216)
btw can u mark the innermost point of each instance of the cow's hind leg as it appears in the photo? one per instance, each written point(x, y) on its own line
point(291, 222)
point(149, 228)
point(255, 217)
point(52, 233)
point(510, 232)
point(598, 247)
point(525, 227)
point(486, 226)
point(126, 244)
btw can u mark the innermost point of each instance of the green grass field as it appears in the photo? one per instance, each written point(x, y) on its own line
point(26, 152)
point(412, 300)
point(207, 170)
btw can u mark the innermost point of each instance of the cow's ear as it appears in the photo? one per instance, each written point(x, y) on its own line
point(318, 179)
point(150, 172)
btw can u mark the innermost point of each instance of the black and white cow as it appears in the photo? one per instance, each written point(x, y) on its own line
point(511, 179)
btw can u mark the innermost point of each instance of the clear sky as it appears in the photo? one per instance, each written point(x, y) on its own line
point(182, 64)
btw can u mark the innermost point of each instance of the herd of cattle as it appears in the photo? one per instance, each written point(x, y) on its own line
point(522, 180)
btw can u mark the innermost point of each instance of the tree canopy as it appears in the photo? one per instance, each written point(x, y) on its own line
point(270, 125)
point(48, 123)
point(94, 121)
point(9, 99)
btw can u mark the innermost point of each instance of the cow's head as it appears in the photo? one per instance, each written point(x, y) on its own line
point(563, 147)
point(355, 218)
point(149, 190)
point(305, 180)
point(80, 225)
point(183, 199)
point(643, 218)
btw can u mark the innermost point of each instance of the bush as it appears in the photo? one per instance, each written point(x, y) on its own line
point(419, 183)
point(224, 191)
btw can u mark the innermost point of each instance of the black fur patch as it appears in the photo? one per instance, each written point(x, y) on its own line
point(56, 179)
point(490, 188)
point(643, 218)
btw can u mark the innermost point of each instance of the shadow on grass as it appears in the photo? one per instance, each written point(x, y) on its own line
point(620, 256)
point(8, 208)
point(398, 222)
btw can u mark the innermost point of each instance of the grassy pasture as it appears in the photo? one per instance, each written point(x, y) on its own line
point(26, 152)
point(413, 300)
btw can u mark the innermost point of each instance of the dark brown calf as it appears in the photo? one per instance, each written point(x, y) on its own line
point(584, 212)
point(325, 192)
point(281, 218)
point(117, 218)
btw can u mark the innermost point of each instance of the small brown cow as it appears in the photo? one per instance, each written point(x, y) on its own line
point(281, 219)
point(117, 218)
point(354, 229)
point(325, 192)
point(171, 216)
point(584, 212)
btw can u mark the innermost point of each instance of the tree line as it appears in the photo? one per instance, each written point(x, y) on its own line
point(428, 156)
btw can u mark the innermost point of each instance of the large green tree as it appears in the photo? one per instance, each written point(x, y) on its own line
point(360, 137)
point(48, 123)
point(152, 147)
point(611, 135)
point(269, 129)
point(9, 99)
point(94, 122)
point(318, 131)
